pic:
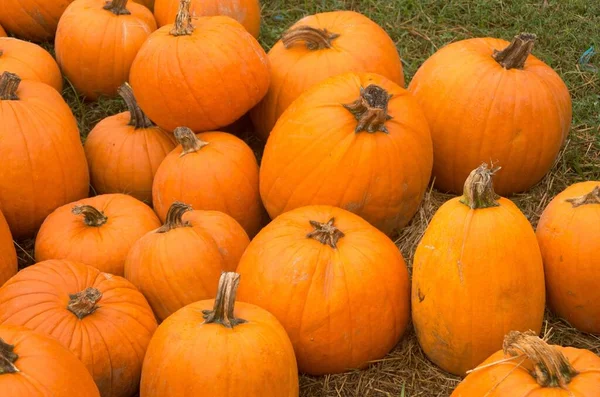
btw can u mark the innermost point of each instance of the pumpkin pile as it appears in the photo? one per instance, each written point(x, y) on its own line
point(144, 232)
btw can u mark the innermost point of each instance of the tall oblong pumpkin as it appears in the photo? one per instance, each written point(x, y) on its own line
point(8, 254)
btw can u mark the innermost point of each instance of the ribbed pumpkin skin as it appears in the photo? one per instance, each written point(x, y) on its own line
point(111, 341)
point(64, 235)
point(363, 46)
point(569, 239)
point(46, 368)
point(29, 61)
point(8, 254)
point(31, 19)
point(478, 111)
point(95, 48)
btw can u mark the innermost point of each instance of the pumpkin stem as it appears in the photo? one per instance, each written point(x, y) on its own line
point(222, 312)
point(7, 358)
point(370, 109)
point(117, 7)
point(479, 192)
point(189, 142)
point(592, 197)
point(138, 118)
point(326, 233)
point(183, 21)
point(175, 217)
point(314, 39)
point(9, 83)
point(515, 55)
point(91, 216)
point(84, 302)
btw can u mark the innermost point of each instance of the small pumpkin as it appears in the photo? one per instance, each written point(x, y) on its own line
point(125, 150)
point(96, 43)
point(101, 318)
point(8, 254)
point(321, 46)
point(98, 231)
point(30, 19)
point(41, 157)
point(488, 99)
point(180, 262)
point(204, 74)
point(35, 365)
point(569, 237)
point(477, 274)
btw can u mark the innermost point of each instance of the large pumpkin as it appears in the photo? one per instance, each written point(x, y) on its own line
point(356, 141)
point(320, 46)
point(210, 171)
point(477, 274)
point(125, 150)
point(35, 365)
point(338, 286)
point(235, 349)
point(42, 161)
point(8, 254)
point(203, 74)
point(31, 19)
point(101, 318)
point(490, 100)
point(98, 231)
point(96, 43)
point(569, 236)
point(29, 61)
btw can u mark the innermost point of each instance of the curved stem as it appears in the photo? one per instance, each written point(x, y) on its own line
point(479, 192)
point(189, 142)
point(91, 216)
point(9, 84)
point(592, 197)
point(515, 55)
point(222, 312)
point(370, 109)
point(326, 233)
point(138, 118)
point(117, 7)
point(84, 302)
point(175, 217)
point(7, 358)
point(313, 38)
point(183, 21)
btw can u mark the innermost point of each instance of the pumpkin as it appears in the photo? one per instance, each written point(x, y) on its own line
point(569, 237)
point(101, 318)
point(204, 75)
point(96, 43)
point(529, 366)
point(30, 62)
point(180, 262)
point(211, 171)
point(477, 274)
point(41, 156)
point(355, 141)
point(125, 150)
point(2, 32)
point(488, 99)
point(35, 365)
point(30, 19)
point(246, 12)
point(8, 254)
point(149, 4)
point(98, 231)
point(338, 286)
point(321, 46)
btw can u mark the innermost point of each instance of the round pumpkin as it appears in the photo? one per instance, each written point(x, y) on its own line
point(490, 100)
point(569, 237)
point(35, 365)
point(96, 43)
point(8, 254)
point(321, 46)
point(339, 286)
point(98, 231)
point(180, 262)
point(125, 150)
point(355, 141)
point(529, 366)
point(41, 156)
point(101, 318)
point(204, 74)
point(2, 32)
point(477, 274)
point(32, 20)
point(211, 171)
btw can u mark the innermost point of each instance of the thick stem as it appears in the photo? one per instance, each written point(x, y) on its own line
point(370, 109)
point(84, 302)
point(9, 84)
point(515, 55)
point(479, 188)
point(313, 38)
point(189, 142)
point(7, 358)
point(175, 217)
point(117, 7)
point(326, 233)
point(222, 312)
point(91, 216)
point(138, 118)
point(592, 197)
point(183, 21)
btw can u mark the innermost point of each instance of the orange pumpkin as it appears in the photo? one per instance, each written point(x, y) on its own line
point(149, 4)
point(41, 157)
point(34, 365)
point(125, 150)
point(490, 100)
point(2, 32)
point(31, 19)
point(8, 254)
point(477, 274)
point(30, 62)
point(235, 349)
point(528, 366)
point(210, 171)
point(180, 263)
point(96, 43)
point(321, 46)
point(355, 141)
point(98, 231)
point(338, 286)
point(569, 236)
point(203, 75)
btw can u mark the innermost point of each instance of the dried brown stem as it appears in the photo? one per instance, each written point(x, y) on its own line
point(175, 217)
point(515, 55)
point(592, 197)
point(117, 7)
point(138, 118)
point(189, 142)
point(91, 216)
point(183, 21)
point(84, 302)
point(9, 84)
point(7, 358)
point(222, 312)
point(326, 233)
point(370, 109)
point(313, 38)
point(479, 188)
